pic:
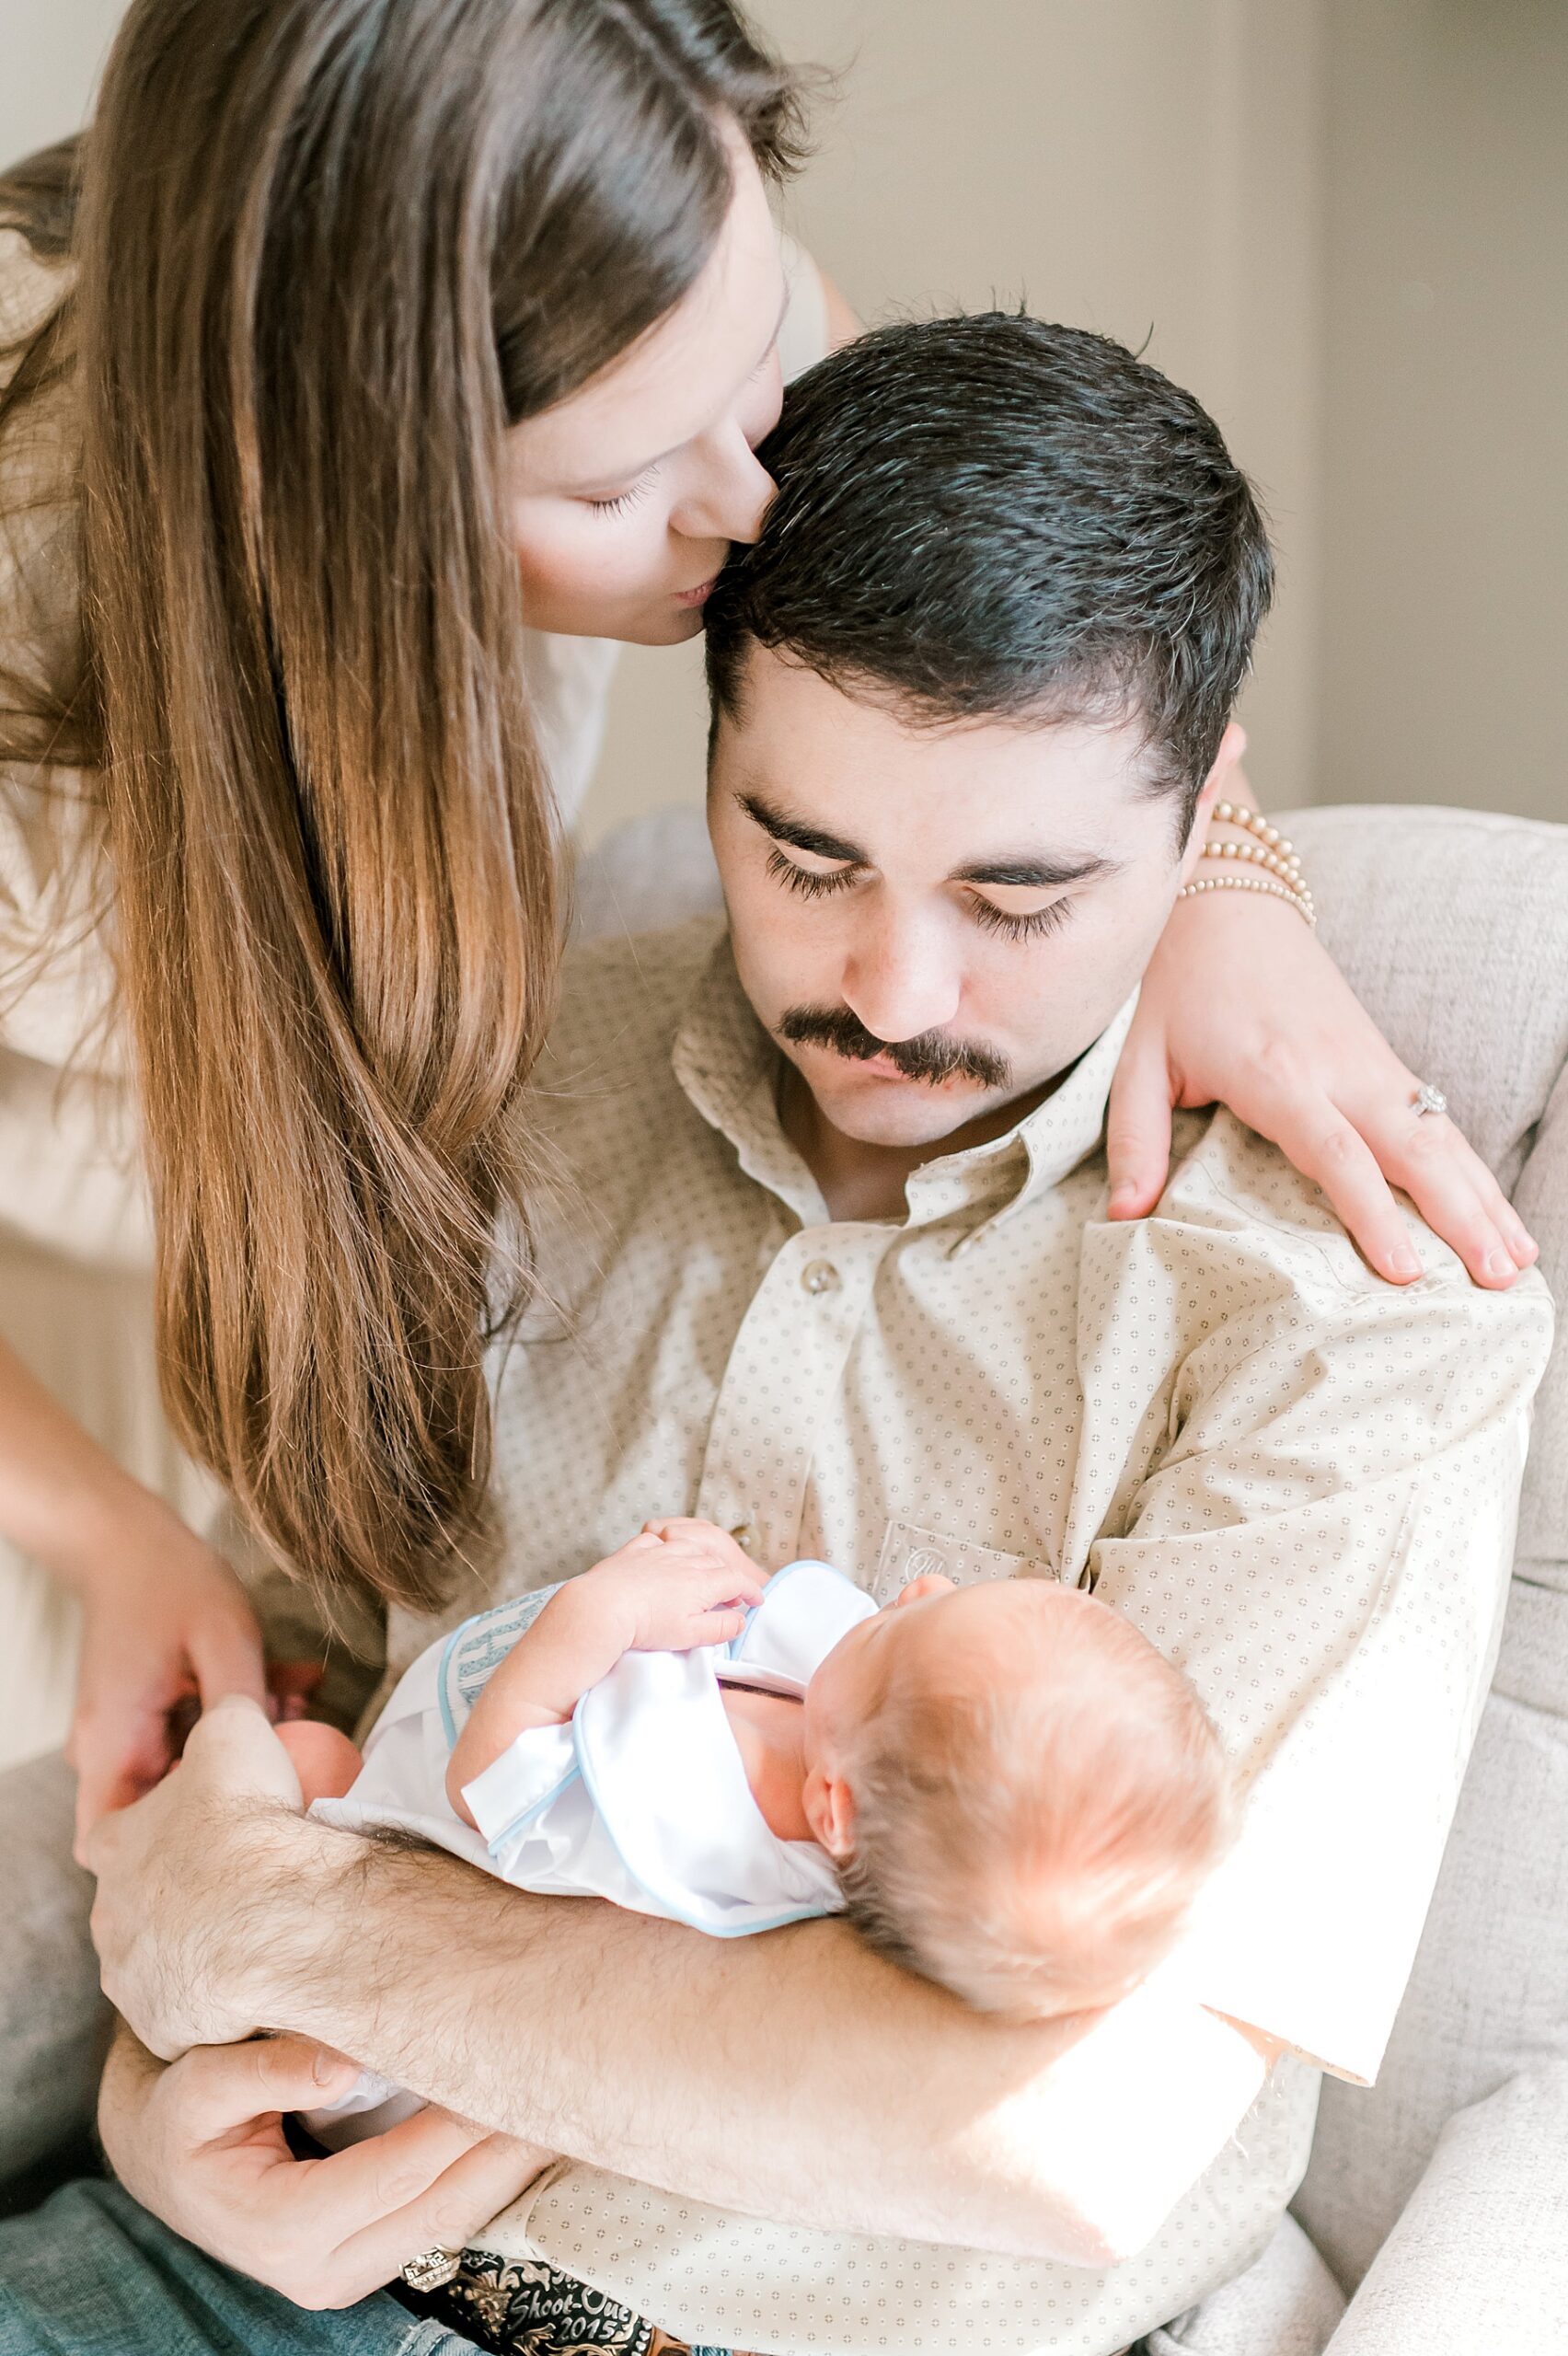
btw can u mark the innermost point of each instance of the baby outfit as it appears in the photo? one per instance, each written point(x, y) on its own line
point(642, 1799)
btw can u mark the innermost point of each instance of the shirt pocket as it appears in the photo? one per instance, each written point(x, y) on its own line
point(908, 1553)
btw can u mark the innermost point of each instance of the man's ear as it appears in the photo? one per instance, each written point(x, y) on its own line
point(1223, 783)
point(829, 1806)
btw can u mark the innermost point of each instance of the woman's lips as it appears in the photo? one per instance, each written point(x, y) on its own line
point(699, 596)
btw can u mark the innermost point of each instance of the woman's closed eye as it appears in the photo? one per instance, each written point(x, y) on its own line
point(622, 502)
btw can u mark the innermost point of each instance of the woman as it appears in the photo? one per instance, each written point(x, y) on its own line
point(407, 354)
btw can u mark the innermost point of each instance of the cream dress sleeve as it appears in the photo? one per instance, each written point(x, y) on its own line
point(76, 1242)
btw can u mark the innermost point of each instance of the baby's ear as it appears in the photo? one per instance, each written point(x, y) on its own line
point(928, 1583)
point(829, 1806)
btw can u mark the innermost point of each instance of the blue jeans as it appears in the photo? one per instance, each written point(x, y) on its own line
point(92, 2274)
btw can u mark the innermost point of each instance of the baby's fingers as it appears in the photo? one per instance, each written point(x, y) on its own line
point(717, 1627)
point(734, 1581)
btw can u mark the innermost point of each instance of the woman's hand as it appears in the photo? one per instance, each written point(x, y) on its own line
point(164, 1626)
point(200, 2141)
point(1240, 1007)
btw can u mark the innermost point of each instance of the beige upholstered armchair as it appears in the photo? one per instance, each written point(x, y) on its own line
point(1439, 2198)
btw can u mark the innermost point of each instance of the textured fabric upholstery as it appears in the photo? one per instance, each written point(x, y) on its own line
point(1442, 2191)
point(1450, 2179)
point(1446, 2187)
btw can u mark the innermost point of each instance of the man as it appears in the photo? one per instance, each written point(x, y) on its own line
point(821, 1253)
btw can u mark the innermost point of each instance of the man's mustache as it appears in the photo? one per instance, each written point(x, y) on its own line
point(931, 1056)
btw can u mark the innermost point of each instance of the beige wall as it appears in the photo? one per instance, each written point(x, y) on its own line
point(52, 51)
point(1344, 223)
point(1150, 167)
point(1444, 635)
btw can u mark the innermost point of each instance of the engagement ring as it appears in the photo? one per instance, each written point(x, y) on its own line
point(1429, 1100)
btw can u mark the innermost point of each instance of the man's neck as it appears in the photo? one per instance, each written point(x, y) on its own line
point(861, 1180)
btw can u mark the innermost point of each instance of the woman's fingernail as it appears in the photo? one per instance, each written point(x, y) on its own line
point(1124, 1198)
point(1500, 1263)
point(1404, 1262)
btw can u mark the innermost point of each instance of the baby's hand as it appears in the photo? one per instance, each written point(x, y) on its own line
point(682, 1583)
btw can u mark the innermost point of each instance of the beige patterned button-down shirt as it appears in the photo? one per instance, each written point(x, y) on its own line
point(1300, 1483)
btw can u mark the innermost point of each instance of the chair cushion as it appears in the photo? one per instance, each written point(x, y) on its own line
point(1453, 928)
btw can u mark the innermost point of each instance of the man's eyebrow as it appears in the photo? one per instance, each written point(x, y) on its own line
point(799, 835)
point(1037, 871)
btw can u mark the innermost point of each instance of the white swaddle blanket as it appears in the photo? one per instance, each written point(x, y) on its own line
point(642, 1798)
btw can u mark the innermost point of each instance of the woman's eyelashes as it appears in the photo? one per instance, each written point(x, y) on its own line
point(817, 883)
point(625, 501)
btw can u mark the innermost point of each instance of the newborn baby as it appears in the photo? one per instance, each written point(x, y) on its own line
point(1005, 1786)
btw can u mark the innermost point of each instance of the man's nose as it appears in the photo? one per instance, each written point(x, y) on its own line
point(731, 494)
point(900, 982)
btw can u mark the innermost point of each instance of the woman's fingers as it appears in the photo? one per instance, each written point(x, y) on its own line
point(1454, 1191)
point(120, 1747)
point(1326, 1146)
point(1358, 1161)
point(1137, 1128)
point(226, 1655)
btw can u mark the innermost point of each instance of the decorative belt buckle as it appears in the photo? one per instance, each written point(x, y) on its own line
point(432, 2269)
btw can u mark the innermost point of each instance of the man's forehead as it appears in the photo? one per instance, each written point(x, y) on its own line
point(1032, 801)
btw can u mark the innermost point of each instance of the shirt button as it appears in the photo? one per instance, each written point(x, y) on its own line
point(742, 1533)
point(819, 1276)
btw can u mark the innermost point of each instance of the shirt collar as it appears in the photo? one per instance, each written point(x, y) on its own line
point(728, 1068)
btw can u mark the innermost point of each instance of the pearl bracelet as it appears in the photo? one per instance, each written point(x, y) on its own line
point(1282, 878)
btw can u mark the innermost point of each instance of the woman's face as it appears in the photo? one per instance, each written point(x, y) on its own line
point(624, 498)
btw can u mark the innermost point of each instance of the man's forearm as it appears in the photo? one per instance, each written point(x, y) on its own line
point(796, 2077)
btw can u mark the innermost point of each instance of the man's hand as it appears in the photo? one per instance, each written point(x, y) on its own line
point(183, 1877)
point(200, 2141)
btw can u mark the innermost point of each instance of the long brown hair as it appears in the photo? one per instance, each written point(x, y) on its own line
point(327, 251)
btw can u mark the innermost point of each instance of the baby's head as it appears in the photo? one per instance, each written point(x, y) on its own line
point(1020, 1793)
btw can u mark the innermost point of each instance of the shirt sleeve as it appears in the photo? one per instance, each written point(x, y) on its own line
point(70, 1175)
point(1323, 1546)
point(512, 1791)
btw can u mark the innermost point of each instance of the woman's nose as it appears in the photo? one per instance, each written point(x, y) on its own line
point(731, 496)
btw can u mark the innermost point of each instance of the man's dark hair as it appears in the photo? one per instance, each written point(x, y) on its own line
point(992, 518)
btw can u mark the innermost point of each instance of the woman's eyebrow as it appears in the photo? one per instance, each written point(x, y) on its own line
point(1035, 871)
point(798, 834)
